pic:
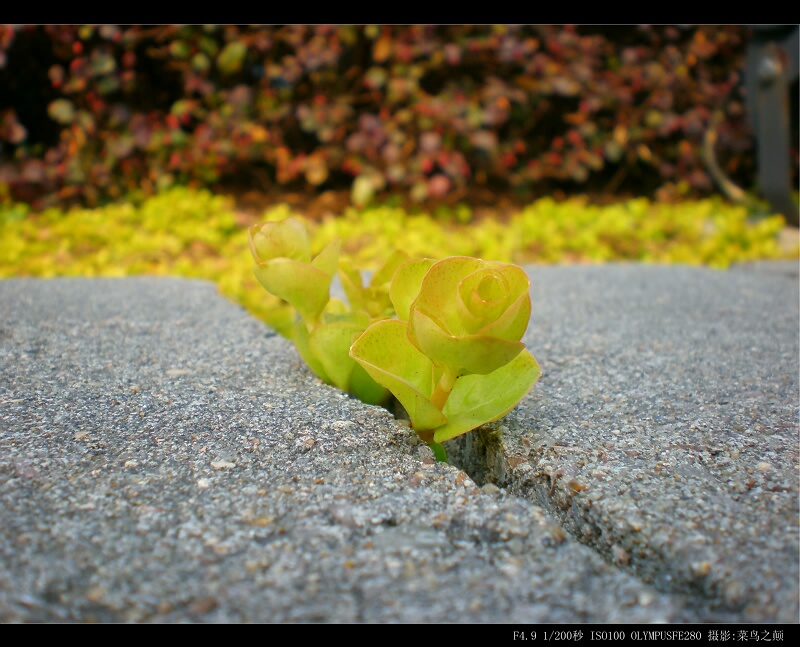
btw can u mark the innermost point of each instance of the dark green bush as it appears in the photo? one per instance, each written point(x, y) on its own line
point(90, 113)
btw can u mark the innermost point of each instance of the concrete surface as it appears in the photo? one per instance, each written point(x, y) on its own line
point(164, 457)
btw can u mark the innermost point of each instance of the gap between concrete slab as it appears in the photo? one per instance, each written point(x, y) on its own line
point(484, 456)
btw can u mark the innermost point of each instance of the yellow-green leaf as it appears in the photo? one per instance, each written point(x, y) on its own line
point(392, 361)
point(300, 336)
point(461, 355)
point(350, 279)
point(406, 282)
point(305, 287)
point(328, 259)
point(231, 57)
point(384, 274)
point(478, 399)
point(363, 387)
point(330, 344)
point(283, 239)
point(61, 110)
point(439, 290)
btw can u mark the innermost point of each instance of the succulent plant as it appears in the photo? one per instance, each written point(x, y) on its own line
point(453, 357)
point(443, 337)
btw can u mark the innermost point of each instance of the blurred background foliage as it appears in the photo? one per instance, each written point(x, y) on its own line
point(95, 113)
point(194, 233)
point(524, 144)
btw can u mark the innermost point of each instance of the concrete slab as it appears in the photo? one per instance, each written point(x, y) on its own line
point(664, 431)
point(164, 458)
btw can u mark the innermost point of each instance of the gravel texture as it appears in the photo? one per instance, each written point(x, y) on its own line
point(164, 457)
point(664, 431)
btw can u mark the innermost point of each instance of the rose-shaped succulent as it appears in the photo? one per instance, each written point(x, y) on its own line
point(284, 267)
point(326, 328)
point(453, 358)
point(470, 314)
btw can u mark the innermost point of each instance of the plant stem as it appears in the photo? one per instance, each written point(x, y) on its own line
point(426, 435)
point(443, 388)
point(439, 452)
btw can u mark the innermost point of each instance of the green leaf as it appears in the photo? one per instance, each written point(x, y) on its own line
point(230, 58)
point(439, 291)
point(328, 259)
point(300, 336)
point(467, 354)
point(330, 344)
point(376, 295)
point(61, 110)
point(281, 252)
point(337, 310)
point(350, 279)
point(283, 239)
point(363, 191)
point(392, 361)
point(470, 295)
point(305, 287)
point(373, 299)
point(180, 49)
point(513, 323)
point(498, 291)
point(478, 399)
point(326, 351)
point(383, 275)
point(439, 452)
point(363, 387)
point(200, 62)
point(406, 282)
point(483, 294)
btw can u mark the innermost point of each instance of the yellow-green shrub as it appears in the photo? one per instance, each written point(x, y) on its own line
point(197, 234)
